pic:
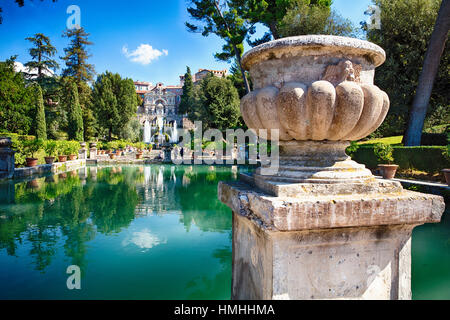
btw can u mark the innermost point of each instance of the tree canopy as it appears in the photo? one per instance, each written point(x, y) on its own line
point(188, 87)
point(114, 101)
point(76, 56)
point(16, 100)
point(406, 27)
point(219, 17)
point(41, 54)
point(215, 102)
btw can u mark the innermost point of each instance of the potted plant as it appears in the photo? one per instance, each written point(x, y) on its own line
point(140, 146)
point(383, 153)
point(61, 148)
point(30, 147)
point(50, 148)
point(72, 149)
point(121, 145)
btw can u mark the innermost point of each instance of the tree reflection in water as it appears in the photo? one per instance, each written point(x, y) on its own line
point(69, 210)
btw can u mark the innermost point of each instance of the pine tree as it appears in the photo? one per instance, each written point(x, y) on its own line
point(187, 92)
point(76, 56)
point(115, 99)
point(41, 127)
point(75, 119)
point(41, 54)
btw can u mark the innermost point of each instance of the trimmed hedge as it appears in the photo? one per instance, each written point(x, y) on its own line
point(435, 139)
point(423, 158)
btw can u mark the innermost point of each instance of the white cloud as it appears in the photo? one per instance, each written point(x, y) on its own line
point(144, 54)
point(143, 239)
point(19, 67)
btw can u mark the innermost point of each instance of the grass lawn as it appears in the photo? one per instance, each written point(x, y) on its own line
point(396, 140)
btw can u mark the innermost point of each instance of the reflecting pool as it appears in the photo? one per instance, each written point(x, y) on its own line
point(145, 232)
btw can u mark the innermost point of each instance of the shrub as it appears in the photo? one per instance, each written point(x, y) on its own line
point(121, 144)
point(72, 147)
point(354, 146)
point(61, 148)
point(51, 148)
point(383, 152)
point(434, 139)
point(31, 147)
point(424, 158)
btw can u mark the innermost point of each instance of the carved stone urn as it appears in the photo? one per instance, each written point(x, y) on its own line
point(321, 226)
point(319, 92)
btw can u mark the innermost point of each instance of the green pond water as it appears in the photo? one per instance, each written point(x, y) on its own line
point(145, 232)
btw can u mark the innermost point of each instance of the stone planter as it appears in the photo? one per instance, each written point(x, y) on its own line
point(139, 155)
point(388, 170)
point(62, 158)
point(112, 156)
point(447, 176)
point(72, 157)
point(318, 92)
point(319, 225)
point(49, 160)
point(31, 162)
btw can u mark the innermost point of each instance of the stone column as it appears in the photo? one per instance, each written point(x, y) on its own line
point(93, 151)
point(6, 158)
point(321, 226)
point(324, 246)
point(82, 153)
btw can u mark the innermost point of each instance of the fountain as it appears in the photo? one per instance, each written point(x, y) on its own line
point(322, 227)
point(174, 137)
point(147, 132)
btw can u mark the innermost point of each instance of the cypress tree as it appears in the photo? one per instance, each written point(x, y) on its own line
point(41, 127)
point(188, 87)
point(75, 117)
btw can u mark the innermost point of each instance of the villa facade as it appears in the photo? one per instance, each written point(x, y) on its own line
point(162, 101)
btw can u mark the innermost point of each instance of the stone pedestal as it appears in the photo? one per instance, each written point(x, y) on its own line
point(324, 246)
point(320, 226)
point(6, 158)
point(93, 153)
point(82, 153)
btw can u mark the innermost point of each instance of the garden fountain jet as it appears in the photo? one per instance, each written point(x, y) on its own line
point(322, 227)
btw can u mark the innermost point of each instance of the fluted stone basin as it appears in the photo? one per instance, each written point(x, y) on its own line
point(319, 92)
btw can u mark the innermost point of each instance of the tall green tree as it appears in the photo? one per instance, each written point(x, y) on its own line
point(308, 17)
point(115, 101)
point(188, 87)
point(76, 56)
point(219, 17)
point(215, 102)
point(41, 126)
point(74, 114)
point(271, 13)
point(16, 100)
point(236, 77)
point(406, 28)
point(77, 67)
point(41, 54)
point(428, 75)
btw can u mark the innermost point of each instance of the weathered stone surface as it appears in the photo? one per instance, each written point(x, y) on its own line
point(309, 212)
point(315, 88)
point(321, 226)
point(343, 263)
point(6, 158)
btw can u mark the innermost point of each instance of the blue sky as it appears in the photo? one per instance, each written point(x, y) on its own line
point(118, 28)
